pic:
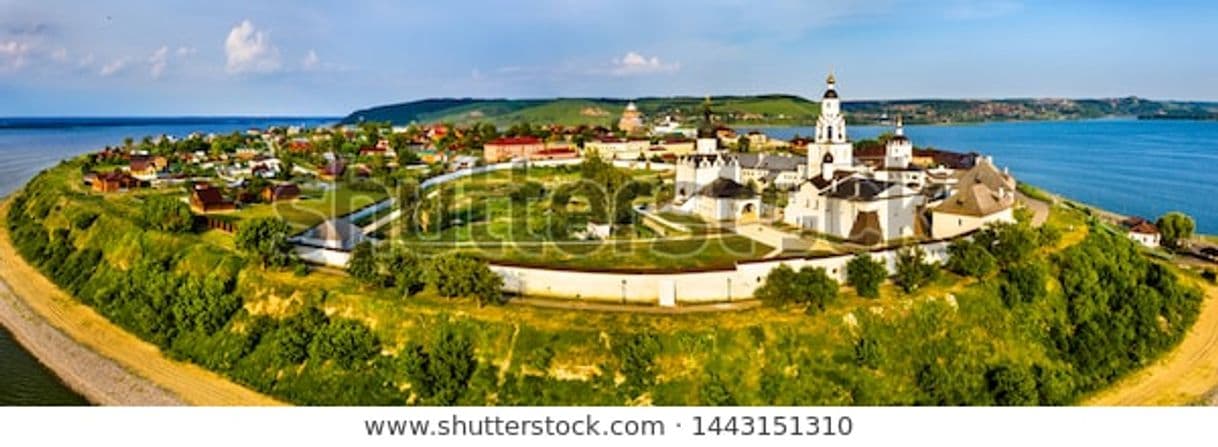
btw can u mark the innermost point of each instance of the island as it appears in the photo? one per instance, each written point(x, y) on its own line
point(376, 263)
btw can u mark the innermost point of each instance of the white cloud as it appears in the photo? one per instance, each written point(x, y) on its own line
point(13, 54)
point(60, 55)
point(158, 62)
point(311, 61)
point(250, 50)
point(113, 67)
point(634, 63)
point(186, 51)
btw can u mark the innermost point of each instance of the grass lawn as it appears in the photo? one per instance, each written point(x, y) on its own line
point(314, 207)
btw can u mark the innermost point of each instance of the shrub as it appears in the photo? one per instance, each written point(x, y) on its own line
point(865, 275)
point(969, 259)
point(1024, 283)
point(1176, 228)
point(913, 271)
point(346, 342)
point(166, 214)
point(810, 286)
point(440, 374)
point(1012, 385)
point(266, 239)
point(456, 275)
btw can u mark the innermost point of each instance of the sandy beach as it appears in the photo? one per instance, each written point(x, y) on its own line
point(98, 359)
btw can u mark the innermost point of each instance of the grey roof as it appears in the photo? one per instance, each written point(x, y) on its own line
point(859, 189)
point(770, 162)
point(723, 188)
point(342, 231)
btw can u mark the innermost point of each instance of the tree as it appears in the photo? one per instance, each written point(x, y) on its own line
point(440, 374)
point(1176, 228)
point(913, 271)
point(742, 144)
point(456, 275)
point(166, 214)
point(779, 288)
point(1012, 385)
point(346, 342)
point(816, 287)
point(363, 266)
point(265, 238)
point(866, 274)
point(809, 286)
point(968, 258)
point(1024, 283)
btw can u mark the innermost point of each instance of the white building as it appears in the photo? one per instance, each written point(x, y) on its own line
point(1143, 232)
point(983, 195)
point(856, 208)
point(724, 200)
point(831, 150)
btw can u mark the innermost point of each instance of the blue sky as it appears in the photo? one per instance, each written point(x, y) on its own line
point(129, 57)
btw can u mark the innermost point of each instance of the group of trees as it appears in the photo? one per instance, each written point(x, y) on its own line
point(1175, 228)
point(266, 239)
point(810, 287)
point(610, 191)
point(450, 274)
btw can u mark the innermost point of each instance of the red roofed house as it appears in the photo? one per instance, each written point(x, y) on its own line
point(280, 192)
point(1142, 231)
point(205, 199)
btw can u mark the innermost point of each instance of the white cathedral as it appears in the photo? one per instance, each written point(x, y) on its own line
point(831, 194)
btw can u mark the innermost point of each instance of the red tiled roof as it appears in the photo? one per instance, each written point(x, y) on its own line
point(506, 141)
point(1144, 228)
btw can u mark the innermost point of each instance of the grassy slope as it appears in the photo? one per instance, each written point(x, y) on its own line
point(571, 111)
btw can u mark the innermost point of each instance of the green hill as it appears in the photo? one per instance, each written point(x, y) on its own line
point(776, 110)
point(764, 109)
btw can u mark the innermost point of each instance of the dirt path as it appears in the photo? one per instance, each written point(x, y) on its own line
point(92, 355)
point(1186, 375)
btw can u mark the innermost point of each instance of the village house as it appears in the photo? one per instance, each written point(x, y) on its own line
point(280, 192)
point(207, 199)
point(111, 181)
point(524, 148)
point(1142, 231)
point(146, 167)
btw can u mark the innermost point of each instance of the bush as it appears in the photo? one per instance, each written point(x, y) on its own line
point(810, 286)
point(346, 342)
point(865, 275)
point(1012, 385)
point(1024, 283)
point(440, 374)
point(265, 238)
point(166, 214)
point(969, 259)
point(1176, 228)
point(456, 275)
point(913, 271)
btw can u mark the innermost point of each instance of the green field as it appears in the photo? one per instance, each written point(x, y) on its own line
point(314, 206)
point(490, 225)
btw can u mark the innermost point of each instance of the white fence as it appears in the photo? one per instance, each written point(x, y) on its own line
point(653, 288)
